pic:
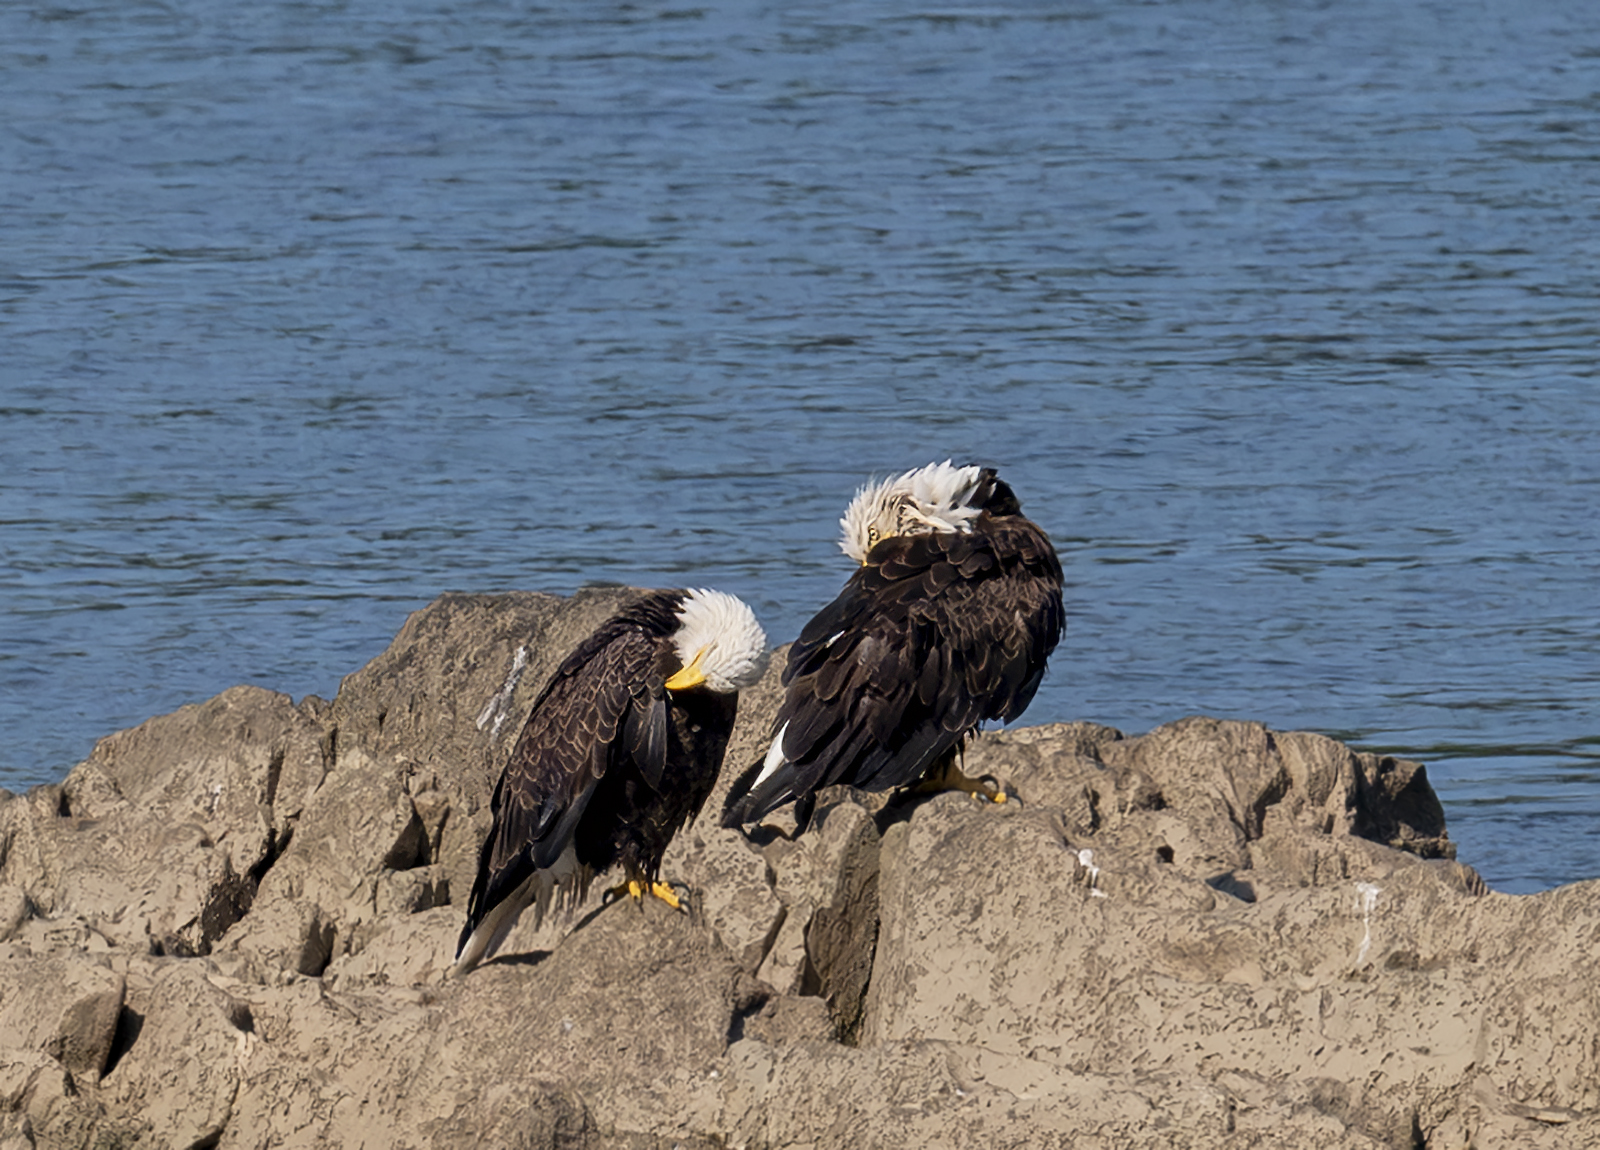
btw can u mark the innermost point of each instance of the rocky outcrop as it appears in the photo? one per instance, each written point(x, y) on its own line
point(230, 927)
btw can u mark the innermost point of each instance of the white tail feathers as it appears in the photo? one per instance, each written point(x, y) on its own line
point(774, 760)
point(538, 890)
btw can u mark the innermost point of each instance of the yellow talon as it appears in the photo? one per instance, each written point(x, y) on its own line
point(947, 776)
point(636, 889)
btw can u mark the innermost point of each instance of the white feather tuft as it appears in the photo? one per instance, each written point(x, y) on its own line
point(942, 489)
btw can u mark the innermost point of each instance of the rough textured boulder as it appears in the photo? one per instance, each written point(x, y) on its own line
point(159, 838)
point(230, 926)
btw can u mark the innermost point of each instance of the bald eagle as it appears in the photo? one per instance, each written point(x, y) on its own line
point(620, 749)
point(947, 622)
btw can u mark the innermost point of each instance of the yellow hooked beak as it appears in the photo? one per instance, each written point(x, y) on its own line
point(690, 676)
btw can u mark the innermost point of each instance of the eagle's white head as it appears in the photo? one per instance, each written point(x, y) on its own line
point(719, 643)
point(919, 502)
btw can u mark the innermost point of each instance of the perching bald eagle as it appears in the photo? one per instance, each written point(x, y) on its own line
point(948, 622)
point(619, 750)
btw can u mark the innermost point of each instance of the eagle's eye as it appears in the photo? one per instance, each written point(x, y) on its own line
point(872, 535)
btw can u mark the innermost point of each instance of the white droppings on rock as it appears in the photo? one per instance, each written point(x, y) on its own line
point(496, 709)
point(1369, 900)
point(1086, 861)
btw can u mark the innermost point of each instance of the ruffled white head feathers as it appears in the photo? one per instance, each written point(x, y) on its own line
point(921, 501)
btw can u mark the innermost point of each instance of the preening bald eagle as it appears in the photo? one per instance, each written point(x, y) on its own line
point(948, 622)
point(619, 750)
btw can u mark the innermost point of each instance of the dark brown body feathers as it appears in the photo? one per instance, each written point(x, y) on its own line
point(935, 634)
point(608, 762)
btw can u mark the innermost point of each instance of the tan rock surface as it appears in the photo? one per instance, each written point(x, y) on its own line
point(229, 927)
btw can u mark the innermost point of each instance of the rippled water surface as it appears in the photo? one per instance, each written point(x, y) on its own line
point(1281, 318)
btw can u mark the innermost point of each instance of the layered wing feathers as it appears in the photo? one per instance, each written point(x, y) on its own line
point(940, 632)
point(604, 703)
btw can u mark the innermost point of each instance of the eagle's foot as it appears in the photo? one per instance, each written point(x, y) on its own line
point(637, 888)
point(949, 777)
point(988, 790)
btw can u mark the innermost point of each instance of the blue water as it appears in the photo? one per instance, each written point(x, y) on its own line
point(1281, 318)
